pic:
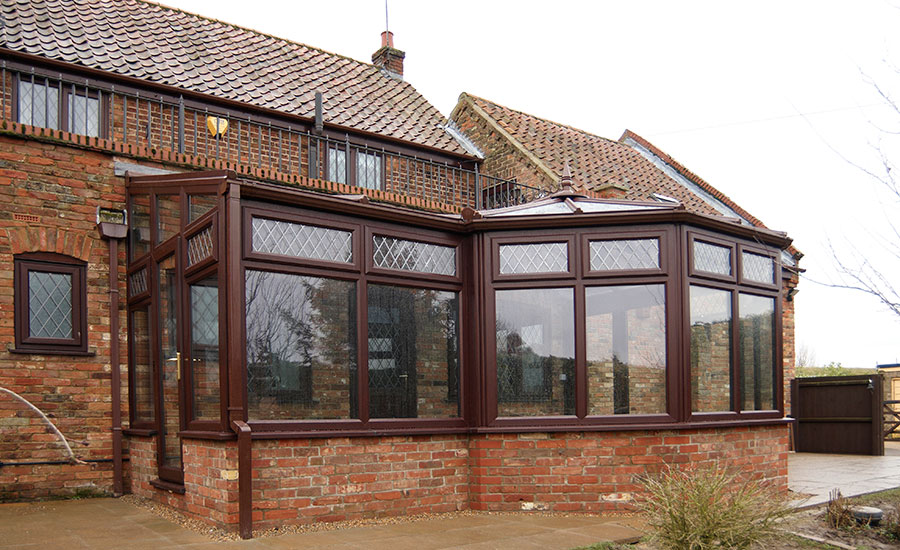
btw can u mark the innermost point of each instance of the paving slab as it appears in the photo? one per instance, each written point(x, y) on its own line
point(817, 474)
point(113, 524)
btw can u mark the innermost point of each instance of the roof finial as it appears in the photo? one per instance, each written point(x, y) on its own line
point(566, 180)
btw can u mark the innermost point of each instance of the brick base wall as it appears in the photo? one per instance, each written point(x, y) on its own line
point(297, 481)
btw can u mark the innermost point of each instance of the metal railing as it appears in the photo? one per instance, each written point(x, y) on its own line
point(158, 122)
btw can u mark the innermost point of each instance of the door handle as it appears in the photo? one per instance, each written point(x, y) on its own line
point(178, 366)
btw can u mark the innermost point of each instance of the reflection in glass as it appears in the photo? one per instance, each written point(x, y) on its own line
point(710, 349)
point(757, 341)
point(168, 216)
point(626, 349)
point(139, 226)
point(143, 373)
point(413, 339)
point(198, 205)
point(205, 349)
point(535, 342)
point(168, 354)
point(301, 347)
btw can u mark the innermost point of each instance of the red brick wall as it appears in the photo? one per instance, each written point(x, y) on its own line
point(306, 480)
point(502, 159)
point(210, 478)
point(597, 471)
point(788, 349)
point(60, 187)
point(298, 481)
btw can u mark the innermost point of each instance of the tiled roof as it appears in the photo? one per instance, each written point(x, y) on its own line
point(171, 47)
point(597, 161)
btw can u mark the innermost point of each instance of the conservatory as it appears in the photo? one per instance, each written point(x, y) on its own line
point(296, 356)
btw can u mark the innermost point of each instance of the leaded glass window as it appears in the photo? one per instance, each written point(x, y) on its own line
point(394, 253)
point(84, 115)
point(624, 254)
point(337, 165)
point(712, 258)
point(200, 246)
point(534, 258)
point(368, 170)
point(39, 104)
point(50, 294)
point(302, 241)
point(757, 268)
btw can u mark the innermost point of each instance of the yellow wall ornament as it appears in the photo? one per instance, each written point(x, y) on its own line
point(216, 125)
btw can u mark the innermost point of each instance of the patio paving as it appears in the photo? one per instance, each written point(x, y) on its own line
point(108, 523)
point(817, 474)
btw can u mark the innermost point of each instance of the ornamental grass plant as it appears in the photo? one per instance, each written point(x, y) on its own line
point(710, 508)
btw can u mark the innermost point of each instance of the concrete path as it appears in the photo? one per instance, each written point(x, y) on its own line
point(113, 524)
point(817, 474)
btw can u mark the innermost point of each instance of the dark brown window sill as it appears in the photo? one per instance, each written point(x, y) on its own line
point(168, 486)
point(48, 351)
point(140, 432)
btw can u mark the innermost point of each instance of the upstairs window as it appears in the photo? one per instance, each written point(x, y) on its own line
point(368, 170)
point(337, 165)
point(47, 104)
point(50, 304)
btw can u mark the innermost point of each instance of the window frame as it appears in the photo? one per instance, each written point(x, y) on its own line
point(48, 262)
point(363, 272)
point(735, 285)
point(65, 91)
point(578, 278)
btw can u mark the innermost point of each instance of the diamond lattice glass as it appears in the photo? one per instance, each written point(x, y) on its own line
point(760, 269)
point(50, 305)
point(138, 281)
point(391, 253)
point(302, 241)
point(712, 258)
point(84, 115)
point(534, 258)
point(337, 165)
point(368, 170)
point(39, 104)
point(620, 255)
point(200, 246)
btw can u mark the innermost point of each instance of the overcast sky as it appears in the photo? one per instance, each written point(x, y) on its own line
point(761, 99)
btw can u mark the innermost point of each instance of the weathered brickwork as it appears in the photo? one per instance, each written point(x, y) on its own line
point(787, 334)
point(297, 481)
point(50, 194)
point(597, 471)
point(502, 159)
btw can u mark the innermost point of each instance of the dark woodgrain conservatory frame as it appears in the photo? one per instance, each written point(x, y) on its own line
point(477, 278)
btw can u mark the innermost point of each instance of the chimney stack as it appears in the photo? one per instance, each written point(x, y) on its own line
point(388, 57)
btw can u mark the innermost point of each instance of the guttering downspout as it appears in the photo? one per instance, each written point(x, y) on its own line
point(112, 232)
point(245, 481)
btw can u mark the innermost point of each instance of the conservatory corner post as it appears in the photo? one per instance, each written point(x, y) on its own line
point(237, 386)
point(245, 481)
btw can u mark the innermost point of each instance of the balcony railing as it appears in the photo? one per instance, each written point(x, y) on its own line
point(156, 121)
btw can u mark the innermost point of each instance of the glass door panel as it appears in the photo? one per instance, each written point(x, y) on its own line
point(170, 371)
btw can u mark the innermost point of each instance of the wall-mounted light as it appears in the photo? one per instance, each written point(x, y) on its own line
point(791, 293)
point(113, 223)
point(216, 126)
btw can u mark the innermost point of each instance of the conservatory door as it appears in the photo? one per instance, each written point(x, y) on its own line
point(392, 356)
point(169, 369)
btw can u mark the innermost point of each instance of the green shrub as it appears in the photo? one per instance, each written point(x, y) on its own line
point(710, 508)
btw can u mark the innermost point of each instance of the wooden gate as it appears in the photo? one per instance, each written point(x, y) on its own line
point(838, 414)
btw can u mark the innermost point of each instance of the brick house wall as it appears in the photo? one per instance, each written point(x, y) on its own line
point(51, 193)
point(502, 159)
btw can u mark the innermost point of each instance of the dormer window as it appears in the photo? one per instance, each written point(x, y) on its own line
point(39, 105)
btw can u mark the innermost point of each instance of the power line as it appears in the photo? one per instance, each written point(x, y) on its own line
point(761, 120)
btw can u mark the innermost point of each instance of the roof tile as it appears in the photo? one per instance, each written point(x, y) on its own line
point(144, 40)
